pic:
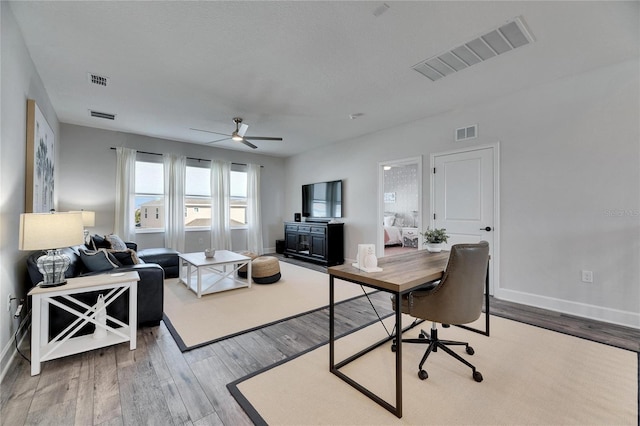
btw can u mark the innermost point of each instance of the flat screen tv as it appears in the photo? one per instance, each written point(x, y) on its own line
point(322, 200)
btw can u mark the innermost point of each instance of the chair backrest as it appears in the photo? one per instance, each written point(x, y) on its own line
point(459, 296)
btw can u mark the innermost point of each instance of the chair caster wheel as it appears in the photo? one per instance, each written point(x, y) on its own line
point(423, 375)
point(393, 347)
point(421, 336)
point(470, 351)
point(477, 376)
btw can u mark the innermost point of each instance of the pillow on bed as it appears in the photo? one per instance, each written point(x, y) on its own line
point(389, 220)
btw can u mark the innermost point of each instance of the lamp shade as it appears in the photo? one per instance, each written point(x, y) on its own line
point(88, 218)
point(44, 231)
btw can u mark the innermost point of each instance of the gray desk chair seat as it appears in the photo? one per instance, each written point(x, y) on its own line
point(455, 299)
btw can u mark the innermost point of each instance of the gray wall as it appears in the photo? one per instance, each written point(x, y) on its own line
point(569, 178)
point(19, 81)
point(88, 176)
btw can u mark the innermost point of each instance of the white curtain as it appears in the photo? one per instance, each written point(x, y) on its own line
point(175, 170)
point(220, 190)
point(125, 193)
point(254, 218)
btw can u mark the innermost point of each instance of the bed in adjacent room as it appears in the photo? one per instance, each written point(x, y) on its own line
point(392, 230)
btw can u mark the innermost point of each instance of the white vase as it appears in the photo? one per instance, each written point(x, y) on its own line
point(434, 247)
point(101, 318)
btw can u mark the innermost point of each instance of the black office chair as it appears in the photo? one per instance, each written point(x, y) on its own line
point(455, 299)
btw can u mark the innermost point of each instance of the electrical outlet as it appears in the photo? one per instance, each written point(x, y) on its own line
point(587, 276)
point(9, 299)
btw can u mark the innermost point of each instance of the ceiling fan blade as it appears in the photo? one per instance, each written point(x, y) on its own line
point(219, 140)
point(247, 143)
point(243, 129)
point(209, 131)
point(262, 138)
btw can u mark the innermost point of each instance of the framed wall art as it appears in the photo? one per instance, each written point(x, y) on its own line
point(389, 197)
point(40, 161)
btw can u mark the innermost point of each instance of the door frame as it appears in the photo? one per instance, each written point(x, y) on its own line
point(402, 162)
point(495, 147)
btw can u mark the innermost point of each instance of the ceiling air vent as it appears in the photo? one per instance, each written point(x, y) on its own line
point(105, 115)
point(98, 79)
point(510, 36)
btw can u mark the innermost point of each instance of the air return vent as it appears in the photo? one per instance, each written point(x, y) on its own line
point(510, 36)
point(465, 133)
point(105, 115)
point(98, 79)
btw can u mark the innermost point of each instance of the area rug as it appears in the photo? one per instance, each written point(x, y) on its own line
point(531, 376)
point(196, 322)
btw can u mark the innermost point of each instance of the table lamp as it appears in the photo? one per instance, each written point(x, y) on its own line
point(50, 232)
point(88, 221)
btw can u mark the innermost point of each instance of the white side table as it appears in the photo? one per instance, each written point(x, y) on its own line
point(411, 238)
point(66, 343)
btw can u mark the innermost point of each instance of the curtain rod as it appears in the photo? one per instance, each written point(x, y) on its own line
point(188, 158)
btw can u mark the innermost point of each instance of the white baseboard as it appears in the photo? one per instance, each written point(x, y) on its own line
point(10, 354)
point(599, 313)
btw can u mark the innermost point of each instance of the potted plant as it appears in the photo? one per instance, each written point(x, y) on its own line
point(434, 239)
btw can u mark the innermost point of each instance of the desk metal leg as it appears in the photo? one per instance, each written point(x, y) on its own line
point(335, 369)
point(332, 330)
point(398, 412)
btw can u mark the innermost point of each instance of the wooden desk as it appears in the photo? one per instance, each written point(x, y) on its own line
point(400, 275)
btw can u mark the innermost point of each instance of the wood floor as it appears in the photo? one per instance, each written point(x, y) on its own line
point(158, 385)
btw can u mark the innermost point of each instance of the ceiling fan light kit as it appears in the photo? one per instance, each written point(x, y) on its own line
point(239, 134)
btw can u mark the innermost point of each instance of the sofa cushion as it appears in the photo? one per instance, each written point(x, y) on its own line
point(165, 257)
point(97, 261)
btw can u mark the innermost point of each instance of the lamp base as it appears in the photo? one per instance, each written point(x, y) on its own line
point(52, 266)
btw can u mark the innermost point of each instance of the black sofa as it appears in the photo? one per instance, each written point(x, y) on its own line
point(150, 291)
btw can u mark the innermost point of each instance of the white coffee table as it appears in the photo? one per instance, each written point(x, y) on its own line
point(213, 274)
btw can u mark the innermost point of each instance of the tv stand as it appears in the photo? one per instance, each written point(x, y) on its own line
point(319, 242)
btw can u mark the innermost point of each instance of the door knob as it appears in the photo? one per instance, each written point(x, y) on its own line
point(488, 228)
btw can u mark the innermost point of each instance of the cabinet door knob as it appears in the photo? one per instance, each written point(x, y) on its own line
point(487, 228)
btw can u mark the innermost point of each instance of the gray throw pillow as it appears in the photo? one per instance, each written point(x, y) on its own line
point(116, 242)
point(96, 261)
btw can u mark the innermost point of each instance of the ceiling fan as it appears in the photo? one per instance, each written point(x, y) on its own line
point(239, 134)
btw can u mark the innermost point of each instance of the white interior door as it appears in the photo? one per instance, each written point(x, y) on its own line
point(464, 199)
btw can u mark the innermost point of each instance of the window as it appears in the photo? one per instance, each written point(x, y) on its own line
point(197, 198)
point(197, 201)
point(149, 195)
point(238, 201)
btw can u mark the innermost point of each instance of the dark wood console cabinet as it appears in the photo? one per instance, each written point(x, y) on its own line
point(316, 241)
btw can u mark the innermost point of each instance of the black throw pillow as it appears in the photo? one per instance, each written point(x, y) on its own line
point(97, 261)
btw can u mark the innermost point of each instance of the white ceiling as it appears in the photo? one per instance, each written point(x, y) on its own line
point(295, 69)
